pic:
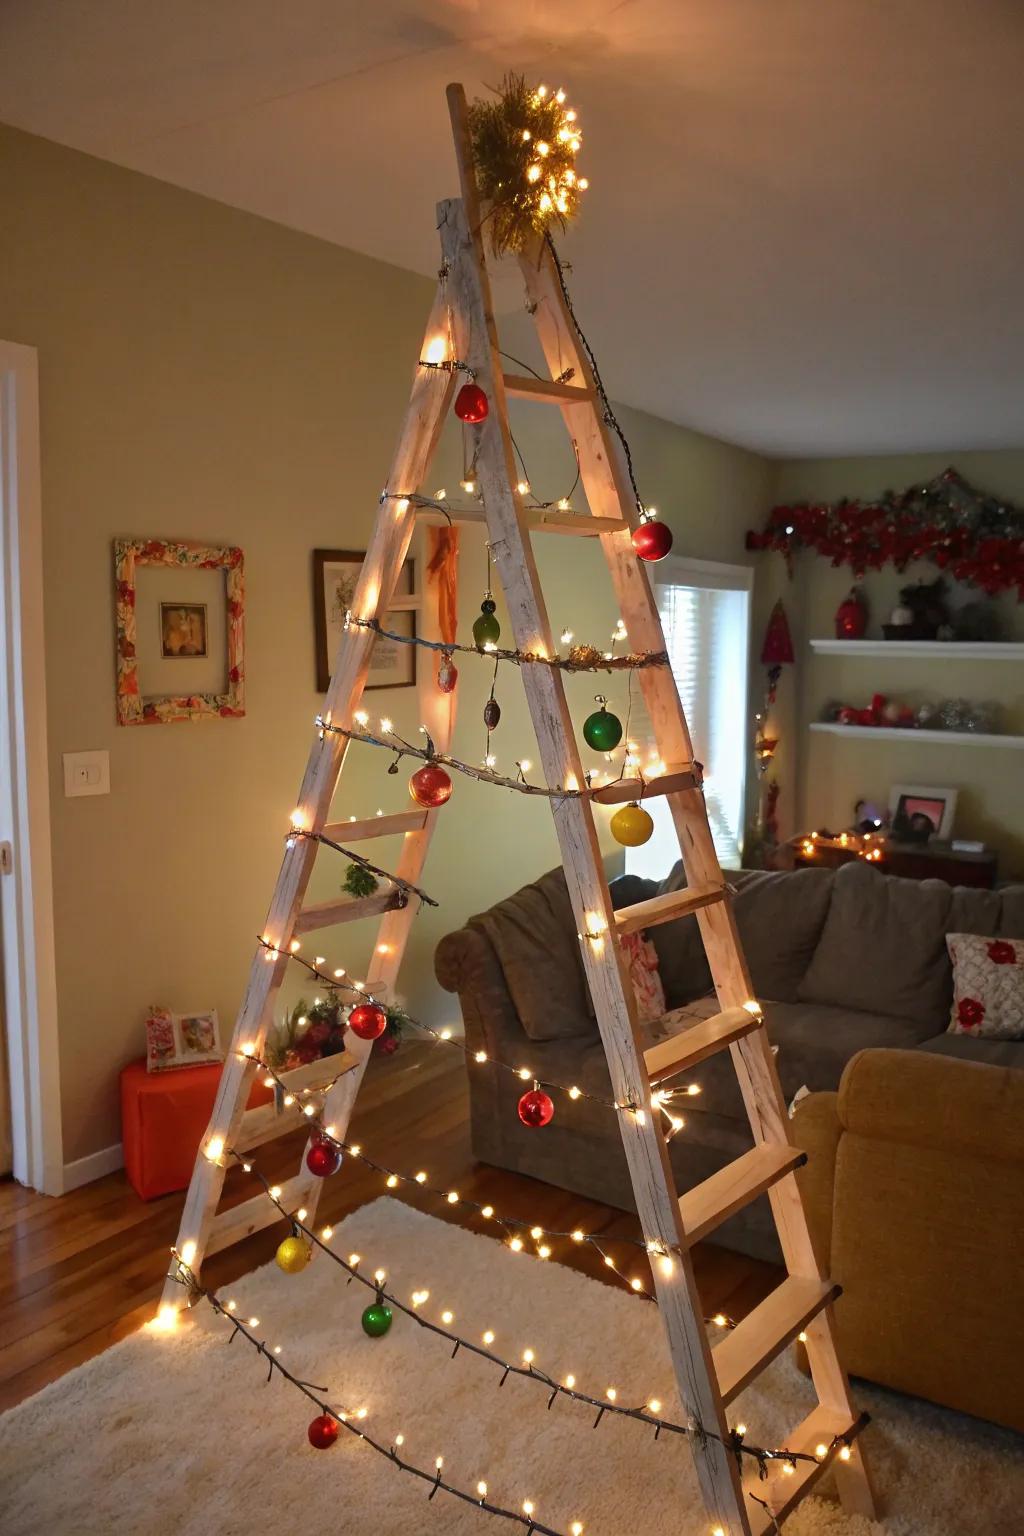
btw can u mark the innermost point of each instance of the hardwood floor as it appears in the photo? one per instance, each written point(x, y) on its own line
point(79, 1273)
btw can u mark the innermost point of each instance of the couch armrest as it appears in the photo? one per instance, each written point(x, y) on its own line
point(962, 1108)
point(816, 1129)
point(465, 962)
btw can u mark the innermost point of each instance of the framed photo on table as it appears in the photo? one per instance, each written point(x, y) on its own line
point(392, 663)
point(920, 813)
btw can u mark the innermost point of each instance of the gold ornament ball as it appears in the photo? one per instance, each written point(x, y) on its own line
point(632, 826)
point(293, 1255)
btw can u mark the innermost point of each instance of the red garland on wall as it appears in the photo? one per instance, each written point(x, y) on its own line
point(978, 538)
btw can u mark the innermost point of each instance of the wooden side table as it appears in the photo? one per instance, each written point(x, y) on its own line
point(914, 861)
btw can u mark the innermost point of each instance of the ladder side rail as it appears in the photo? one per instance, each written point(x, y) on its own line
point(644, 1144)
point(393, 528)
point(610, 494)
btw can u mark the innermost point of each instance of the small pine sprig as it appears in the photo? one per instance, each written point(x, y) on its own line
point(359, 881)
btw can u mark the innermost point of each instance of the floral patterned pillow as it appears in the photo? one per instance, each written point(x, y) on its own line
point(642, 960)
point(988, 986)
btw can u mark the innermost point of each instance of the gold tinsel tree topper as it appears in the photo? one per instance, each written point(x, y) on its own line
point(525, 143)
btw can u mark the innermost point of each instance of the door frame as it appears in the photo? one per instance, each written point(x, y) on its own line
point(26, 893)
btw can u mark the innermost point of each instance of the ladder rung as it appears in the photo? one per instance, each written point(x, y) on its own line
point(704, 1208)
point(241, 1221)
point(537, 519)
point(780, 1491)
point(266, 1121)
point(662, 909)
point(345, 909)
point(668, 783)
point(766, 1331)
point(526, 388)
point(692, 1045)
point(375, 826)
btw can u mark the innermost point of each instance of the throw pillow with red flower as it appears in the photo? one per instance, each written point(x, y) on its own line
point(970, 1012)
point(1001, 953)
point(988, 986)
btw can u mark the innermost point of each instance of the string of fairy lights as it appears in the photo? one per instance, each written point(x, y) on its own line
point(526, 1364)
point(662, 1100)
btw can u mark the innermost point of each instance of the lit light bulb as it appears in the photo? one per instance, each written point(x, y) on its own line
point(523, 487)
point(528, 1356)
point(821, 1451)
point(436, 349)
point(487, 1212)
point(361, 718)
point(421, 1177)
point(489, 1337)
point(447, 1317)
point(480, 1056)
point(570, 1382)
point(533, 173)
point(481, 1488)
point(654, 1406)
point(516, 1244)
point(214, 1147)
point(469, 486)
point(566, 636)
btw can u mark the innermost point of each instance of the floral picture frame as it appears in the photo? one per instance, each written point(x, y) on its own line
point(132, 707)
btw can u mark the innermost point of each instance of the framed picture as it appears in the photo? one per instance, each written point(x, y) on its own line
point(920, 812)
point(393, 663)
point(180, 631)
point(181, 1039)
point(183, 629)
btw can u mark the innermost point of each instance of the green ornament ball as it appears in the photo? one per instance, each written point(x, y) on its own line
point(602, 730)
point(377, 1320)
point(486, 629)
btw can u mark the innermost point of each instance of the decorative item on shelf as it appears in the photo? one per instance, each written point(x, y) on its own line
point(471, 404)
point(322, 1432)
point(602, 730)
point(524, 147)
point(978, 538)
point(181, 1039)
point(651, 540)
point(777, 650)
point(536, 1108)
point(953, 715)
point(293, 1254)
point(868, 817)
point(430, 786)
point(852, 616)
point(323, 1159)
point(922, 613)
point(632, 826)
point(368, 1021)
point(359, 881)
point(308, 1033)
point(963, 715)
point(921, 812)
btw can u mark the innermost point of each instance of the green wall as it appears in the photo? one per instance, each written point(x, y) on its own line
point(206, 374)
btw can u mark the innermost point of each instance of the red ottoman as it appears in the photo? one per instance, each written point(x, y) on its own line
point(163, 1118)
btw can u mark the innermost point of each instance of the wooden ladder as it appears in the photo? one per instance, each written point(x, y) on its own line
point(708, 1378)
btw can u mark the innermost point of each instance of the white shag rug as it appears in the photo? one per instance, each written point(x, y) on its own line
point(180, 1435)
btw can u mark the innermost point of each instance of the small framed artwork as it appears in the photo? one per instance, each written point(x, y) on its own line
point(393, 661)
point(181, 1039)
point(180, 631)
point(183, 629)
point(920, 812)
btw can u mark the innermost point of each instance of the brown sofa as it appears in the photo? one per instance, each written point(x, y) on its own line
point(841, 961)
point(914, 1188)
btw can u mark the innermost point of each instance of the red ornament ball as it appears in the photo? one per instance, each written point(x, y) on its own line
point(471, 404)
point(652, 540)
point(367, 1020)
point(430, 786)
point(323, 1431)
point(536, 1108)
point(323, 1159)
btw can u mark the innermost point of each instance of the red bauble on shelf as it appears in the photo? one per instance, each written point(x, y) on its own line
point(536, 1108)
point(323, 1431)
point(852, 617)
point(471, 404)
point(323, 1159)
point(430, 786)
point(367, 1020)
point(652, 540)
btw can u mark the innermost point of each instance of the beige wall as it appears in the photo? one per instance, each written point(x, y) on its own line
point(205, 374)
point(827, 775)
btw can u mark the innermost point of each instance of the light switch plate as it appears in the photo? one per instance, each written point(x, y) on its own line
point(86, 773)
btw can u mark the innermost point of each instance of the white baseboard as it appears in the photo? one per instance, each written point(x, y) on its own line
point(85, 1169)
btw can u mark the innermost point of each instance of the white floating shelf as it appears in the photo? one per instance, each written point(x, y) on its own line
point(950, 650)
point(910, 733)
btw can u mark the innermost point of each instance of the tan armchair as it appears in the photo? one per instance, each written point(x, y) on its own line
point(915, 1193)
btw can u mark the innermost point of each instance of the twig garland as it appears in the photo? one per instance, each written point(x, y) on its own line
point(580, 659)
point(405, 886)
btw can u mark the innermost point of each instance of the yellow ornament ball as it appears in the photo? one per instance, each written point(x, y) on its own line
point(632, 825)
point(293, 1255)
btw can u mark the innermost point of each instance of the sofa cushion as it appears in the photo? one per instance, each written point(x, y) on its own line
point(1011, 912)
point(883, 950)
point(992, 1053)
point(533, 933)
point(780, 915)
point(814, 1044)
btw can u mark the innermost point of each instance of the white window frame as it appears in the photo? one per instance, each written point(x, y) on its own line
point(26, 893)
point(682, 571)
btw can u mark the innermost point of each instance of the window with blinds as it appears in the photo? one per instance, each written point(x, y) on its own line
point(705, 611)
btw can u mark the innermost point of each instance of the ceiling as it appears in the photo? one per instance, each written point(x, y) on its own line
point(805, 227)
